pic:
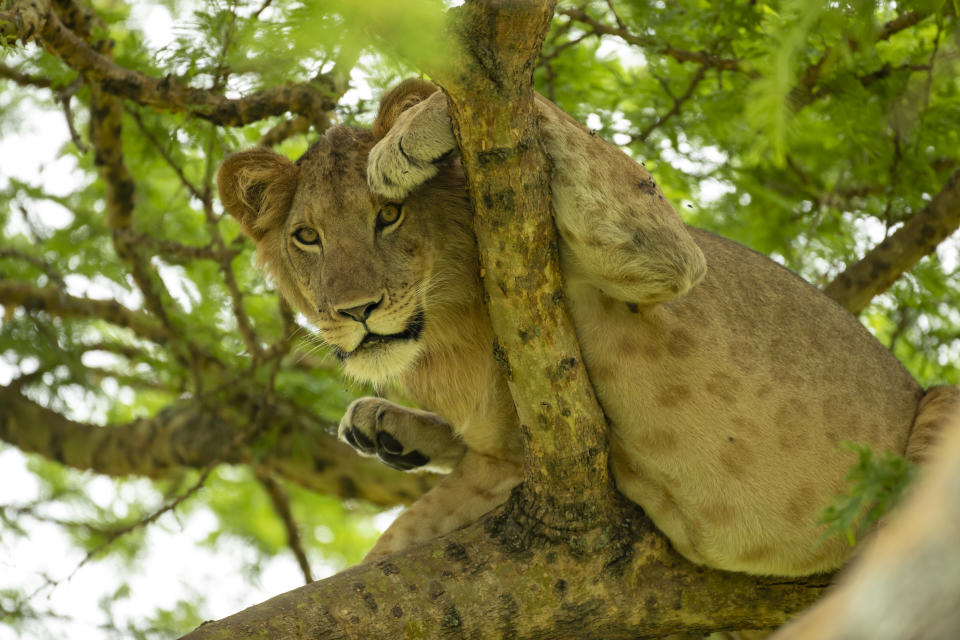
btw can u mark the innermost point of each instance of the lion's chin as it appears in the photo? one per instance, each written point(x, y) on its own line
point(382, 362)
point(382, 357)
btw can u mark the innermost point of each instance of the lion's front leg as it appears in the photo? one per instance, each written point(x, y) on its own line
point(478, 484)
point(402, 438)
point(408, 154)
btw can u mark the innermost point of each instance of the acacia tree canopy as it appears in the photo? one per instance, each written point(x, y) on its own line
point(138, 339)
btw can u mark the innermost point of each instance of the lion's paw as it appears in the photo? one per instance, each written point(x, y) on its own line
point(411, 151)
point(403, 439)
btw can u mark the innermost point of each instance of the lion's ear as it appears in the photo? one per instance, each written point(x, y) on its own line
point(399, 99)
point(257, 187)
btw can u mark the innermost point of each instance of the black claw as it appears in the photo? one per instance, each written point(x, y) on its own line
point(359, 441)
point(388, 444)
point(351, 440)
point(405, 462)
point(416, 458)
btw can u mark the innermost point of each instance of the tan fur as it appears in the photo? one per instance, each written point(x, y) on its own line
point(906, 581)
point(394, 102)
point(729, 382)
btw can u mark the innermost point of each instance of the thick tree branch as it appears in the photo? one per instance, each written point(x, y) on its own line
point(35, 19)
point(55, 301)
point(196, 436)
point(875, 272)
point(901, 22)
point(500, 579)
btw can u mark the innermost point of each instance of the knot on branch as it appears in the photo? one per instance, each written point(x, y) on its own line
point(527, 523)
point(29, 19)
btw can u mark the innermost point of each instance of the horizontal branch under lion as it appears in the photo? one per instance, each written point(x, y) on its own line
point(479, 582)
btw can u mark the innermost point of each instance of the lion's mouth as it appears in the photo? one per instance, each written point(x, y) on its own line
point(376, 340)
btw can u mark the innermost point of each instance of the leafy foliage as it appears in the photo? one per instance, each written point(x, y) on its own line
point(876, 484)
point(808, 131)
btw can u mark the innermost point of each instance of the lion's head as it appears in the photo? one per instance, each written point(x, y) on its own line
point(371, 274)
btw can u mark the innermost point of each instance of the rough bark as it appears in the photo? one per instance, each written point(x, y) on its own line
point(491, 98)
point(195, 435)
point(884, 264)
point(509, 577)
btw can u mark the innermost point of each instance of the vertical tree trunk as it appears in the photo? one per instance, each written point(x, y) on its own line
point(490, 92)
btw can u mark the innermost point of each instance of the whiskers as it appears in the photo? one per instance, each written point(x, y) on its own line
point(440, 289)
point(309, 343)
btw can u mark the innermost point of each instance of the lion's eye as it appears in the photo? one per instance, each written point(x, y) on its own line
point(389, 214)
point(307, 236)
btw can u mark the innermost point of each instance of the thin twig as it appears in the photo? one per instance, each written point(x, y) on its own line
point(177, 253)
point(47, 268)
point(163, 153)
point(281, 504)
point(615, 16)
point(64, 97)
point(244, 326)
point(256, 14)
point(286, 129)
point(55, 301)
point(257, 423)
point(677, 105)
point(223, 71)
point(650, 43)
point(24, 79)
point(117, 533)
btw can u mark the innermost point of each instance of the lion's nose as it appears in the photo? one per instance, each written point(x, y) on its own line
point(360, 312)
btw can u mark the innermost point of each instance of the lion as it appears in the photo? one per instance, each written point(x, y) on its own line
point(728, 381)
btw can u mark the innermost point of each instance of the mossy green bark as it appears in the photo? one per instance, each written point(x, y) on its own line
point(529, 584)
point(508, 176)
